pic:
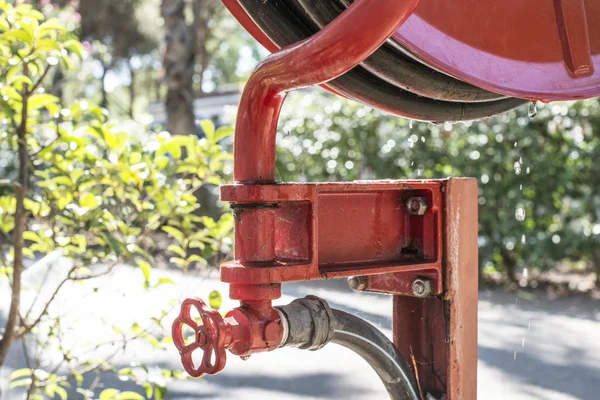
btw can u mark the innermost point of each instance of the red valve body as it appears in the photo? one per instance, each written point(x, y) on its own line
point(253, 327)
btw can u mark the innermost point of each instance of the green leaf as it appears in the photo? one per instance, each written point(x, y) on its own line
point(109, 394)
point(164, 281)
point(215, 299)
point(173, 248)
point(47, 44)
point(160, 392)
point(152, 340)
point(209, 129)
point(18, 383)
point(18, 35)
point(130, 396)
point(19, 373)
point(62, 393)
point(175, 233)
point(126, 372)
point(135, 328)
point(222, 133)
point(146, 268)
point(20, 80)
point(51, 25)
point(148, 387)
point(110, 138)
point(40, 100)
point(88, 200)
point(114, 244)
point(195, 258)
point(74, 46)
point(32, 236)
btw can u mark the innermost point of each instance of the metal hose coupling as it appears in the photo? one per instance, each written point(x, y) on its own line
point(308, 323)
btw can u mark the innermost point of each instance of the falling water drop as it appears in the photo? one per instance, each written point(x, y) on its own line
point(532, 111)
point(410, 124)
point(517, 167)
point(520, 214)
point(523, 239)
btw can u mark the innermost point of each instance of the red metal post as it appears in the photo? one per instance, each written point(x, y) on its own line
point(440, 333)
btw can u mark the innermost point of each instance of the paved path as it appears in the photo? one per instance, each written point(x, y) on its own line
point(529, 349)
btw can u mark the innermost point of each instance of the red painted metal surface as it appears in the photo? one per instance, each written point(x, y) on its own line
point(439, 334)
point(535, 49)
point(287, 232)
point(327, 230)
point(251, 328)
point(337, 48)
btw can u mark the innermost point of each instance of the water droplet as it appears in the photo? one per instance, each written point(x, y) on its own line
point(521, 187)
point(517, 166)
point(523, 239)
point(520, 214)
point(516, 144)
point(515, 354)
point(410, 124)
point(244, 358)
point(532, 111)
point(525, 273)
point(528, 170)
point(523, 343)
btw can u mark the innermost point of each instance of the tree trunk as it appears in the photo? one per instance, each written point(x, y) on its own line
point(18, 241)
point(510, 264)
point(178, 63)
point(596, 262)
point(104, 99)
point(203, 32)
point(131, 90)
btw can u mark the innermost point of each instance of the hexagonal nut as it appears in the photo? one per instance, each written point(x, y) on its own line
point(421, 287)
point(417, 205)
point(358, 283)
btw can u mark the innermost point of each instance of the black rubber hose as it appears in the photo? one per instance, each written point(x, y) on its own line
point(375, 348)
point(283, 27)
point(310, 323)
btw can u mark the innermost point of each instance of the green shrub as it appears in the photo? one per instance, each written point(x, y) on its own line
point(91, 191)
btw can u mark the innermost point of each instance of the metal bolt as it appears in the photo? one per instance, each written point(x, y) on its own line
point(358, 282)
point(417, 205)
point(421, 287)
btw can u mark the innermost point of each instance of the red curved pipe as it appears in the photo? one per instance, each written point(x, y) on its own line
point(336, 49)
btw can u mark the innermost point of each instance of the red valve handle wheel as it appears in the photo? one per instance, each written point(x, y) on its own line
point(208, 337)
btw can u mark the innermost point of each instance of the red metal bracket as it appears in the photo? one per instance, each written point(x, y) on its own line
point(329, 230)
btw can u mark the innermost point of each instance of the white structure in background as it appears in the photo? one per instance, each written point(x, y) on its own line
point(211, 106)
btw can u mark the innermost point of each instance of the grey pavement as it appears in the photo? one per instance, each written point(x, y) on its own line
point(528, 349)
